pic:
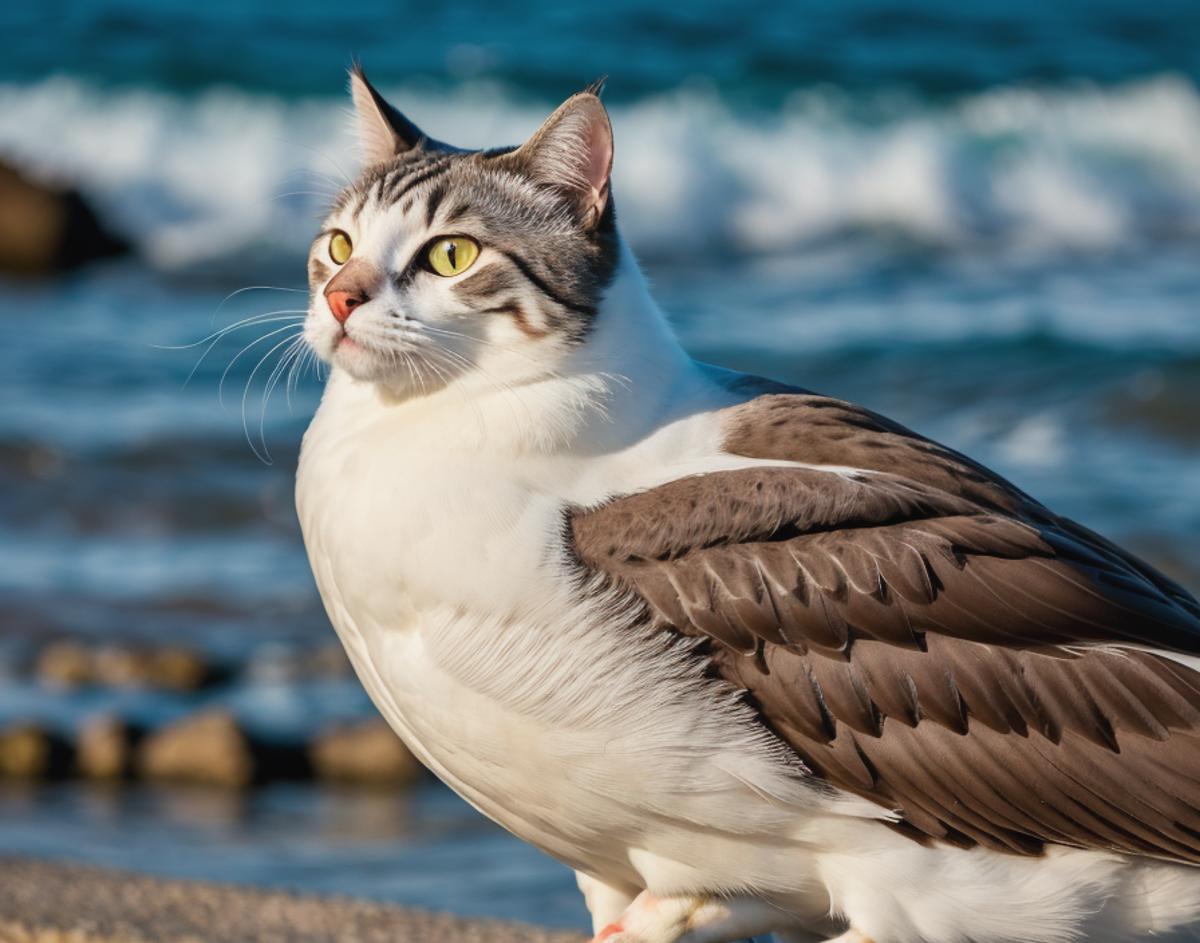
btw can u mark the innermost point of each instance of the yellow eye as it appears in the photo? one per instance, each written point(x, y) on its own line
point(453, 255)
point(340, 247)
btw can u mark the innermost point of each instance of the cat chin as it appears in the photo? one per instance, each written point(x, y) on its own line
point(359, 361)
point(400, 380)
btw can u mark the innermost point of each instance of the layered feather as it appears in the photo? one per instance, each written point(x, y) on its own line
point(924, 634)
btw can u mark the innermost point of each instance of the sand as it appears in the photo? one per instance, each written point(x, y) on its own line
point(44, 902)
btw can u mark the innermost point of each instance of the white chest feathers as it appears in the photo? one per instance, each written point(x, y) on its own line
point(447, 576)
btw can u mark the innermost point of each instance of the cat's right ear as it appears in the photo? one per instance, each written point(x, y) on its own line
point(383, 133)
point(573, 152)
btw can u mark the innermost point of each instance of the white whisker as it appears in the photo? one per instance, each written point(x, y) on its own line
point(241, 291)
point(240, 353)
point(346, 178)
point(293, 313)
point(290, 353)
point(265, 455)
point(268, 318)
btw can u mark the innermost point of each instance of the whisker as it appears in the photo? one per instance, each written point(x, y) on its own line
point(413, 333)
point(295, 313)
point(446, 332)
point(265, 455)
point(336, 166)
point(468, 366)
point(298, 368)
point(268, 318)
point(240, 353)
point(290, 353)
point(553, 374)
point(287, 193)
point(240, 291)
point(277, 371)
point(320, 175)
point(310, 176)
point(297, 364)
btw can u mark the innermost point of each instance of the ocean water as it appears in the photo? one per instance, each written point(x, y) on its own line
point(981, 219)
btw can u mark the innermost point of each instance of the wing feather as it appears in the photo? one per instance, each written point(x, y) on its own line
point(924, 634)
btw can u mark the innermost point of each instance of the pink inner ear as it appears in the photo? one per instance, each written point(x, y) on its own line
point(600, 153)
point(598, 166)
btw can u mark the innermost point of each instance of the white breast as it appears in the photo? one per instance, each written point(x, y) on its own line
point(447, 580)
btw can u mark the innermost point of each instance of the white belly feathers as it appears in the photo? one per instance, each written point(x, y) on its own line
point(447, 583)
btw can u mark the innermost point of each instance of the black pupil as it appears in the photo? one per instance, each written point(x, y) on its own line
point(451, 254)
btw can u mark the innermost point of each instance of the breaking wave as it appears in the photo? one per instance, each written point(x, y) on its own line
point(224, 173)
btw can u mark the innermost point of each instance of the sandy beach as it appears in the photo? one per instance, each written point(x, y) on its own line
point(50, 902)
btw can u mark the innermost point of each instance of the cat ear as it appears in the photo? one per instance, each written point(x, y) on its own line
point(573, 151)
point(383, 132)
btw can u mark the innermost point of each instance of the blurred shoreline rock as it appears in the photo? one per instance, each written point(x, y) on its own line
point(29, 751)
point(64, 665)
point(366, 754)
point(209, 748)
point(70, 664)
point(205, 740)
point(212, 748)
point(106, 748)
point(46, 229)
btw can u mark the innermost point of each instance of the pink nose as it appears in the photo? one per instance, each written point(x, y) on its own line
point(343, 303)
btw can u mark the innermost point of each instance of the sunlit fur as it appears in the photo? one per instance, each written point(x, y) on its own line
point(432, 492)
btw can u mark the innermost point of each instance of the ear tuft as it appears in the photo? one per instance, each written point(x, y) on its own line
point(383, 132)
point(573, 151)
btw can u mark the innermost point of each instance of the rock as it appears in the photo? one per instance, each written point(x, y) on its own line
point(106, 748)
point(46, 229)
point(365, 754)
point(179, 669)
point(120, 667)
point(70, 664)
point(64, 664)
point(174, 669)
point(209, 747)
point(28, 751)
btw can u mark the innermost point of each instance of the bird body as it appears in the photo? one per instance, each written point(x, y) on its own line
point(748, 658)
point(437, 542)
point(435, 530)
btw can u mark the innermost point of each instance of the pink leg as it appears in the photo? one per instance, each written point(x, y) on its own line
point(604, 902)
point(651, 919)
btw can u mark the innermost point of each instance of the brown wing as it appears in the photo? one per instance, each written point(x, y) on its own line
point(924, 634)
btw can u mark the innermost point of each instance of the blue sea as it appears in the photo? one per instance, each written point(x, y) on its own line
point(982, 219)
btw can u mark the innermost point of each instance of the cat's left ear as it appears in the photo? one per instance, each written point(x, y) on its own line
point(573, 152)
point(383, 132)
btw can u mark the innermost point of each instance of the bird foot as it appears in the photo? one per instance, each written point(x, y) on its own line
point(651, 919)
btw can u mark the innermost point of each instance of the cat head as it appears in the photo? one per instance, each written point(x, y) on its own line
point(439, 265)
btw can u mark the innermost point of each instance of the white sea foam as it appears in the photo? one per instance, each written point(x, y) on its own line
point(1077, 168)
